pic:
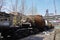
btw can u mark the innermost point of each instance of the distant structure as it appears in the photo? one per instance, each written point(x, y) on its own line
point(54, 19)
point(47, 13)
point(51, 14)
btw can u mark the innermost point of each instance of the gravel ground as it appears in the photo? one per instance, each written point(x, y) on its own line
point(57, 34)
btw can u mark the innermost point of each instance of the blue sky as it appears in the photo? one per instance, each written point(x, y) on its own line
point(40, 5)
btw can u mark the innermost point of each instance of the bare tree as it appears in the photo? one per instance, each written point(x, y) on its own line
point(1, 4)
point(14, 5)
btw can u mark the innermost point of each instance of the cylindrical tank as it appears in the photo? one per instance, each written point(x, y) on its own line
point(37, 21)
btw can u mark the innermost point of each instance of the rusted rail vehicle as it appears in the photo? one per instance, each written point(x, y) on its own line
point(25, 26)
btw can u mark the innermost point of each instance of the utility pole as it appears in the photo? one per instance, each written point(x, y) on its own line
point(32, 11)
point(16, 5)
point(22, 10)
point(23, 5)
point(32, 7)
point(15, 19)
point(55, 7)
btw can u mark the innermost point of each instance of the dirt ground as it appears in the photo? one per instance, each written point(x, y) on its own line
point(57, 34)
